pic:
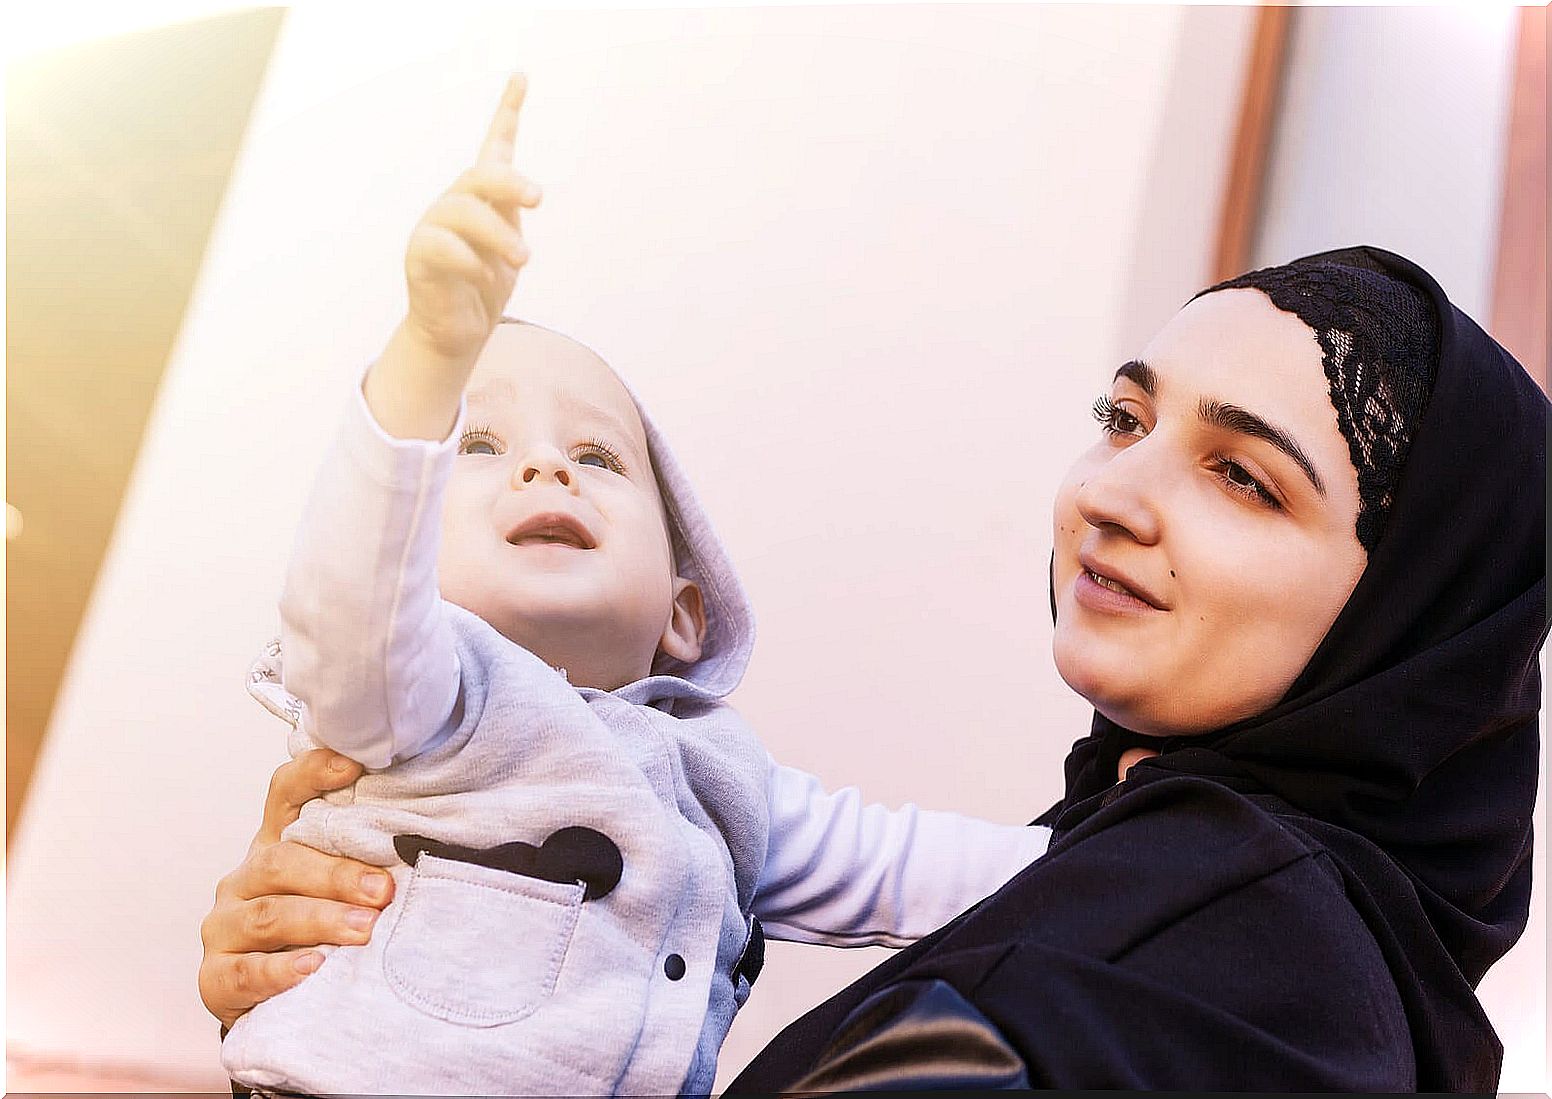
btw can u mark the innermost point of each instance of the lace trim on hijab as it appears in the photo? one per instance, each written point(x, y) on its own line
point(1379, 343)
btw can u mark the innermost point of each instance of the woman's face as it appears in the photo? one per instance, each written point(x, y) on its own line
point(1221, 500)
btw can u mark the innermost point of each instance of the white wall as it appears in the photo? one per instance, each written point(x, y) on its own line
point(1392, 133)
point(867, 265)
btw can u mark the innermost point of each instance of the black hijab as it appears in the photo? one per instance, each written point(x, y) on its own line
point(1408, 746)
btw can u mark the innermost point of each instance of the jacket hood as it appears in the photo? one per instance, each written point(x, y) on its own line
point(698, 556)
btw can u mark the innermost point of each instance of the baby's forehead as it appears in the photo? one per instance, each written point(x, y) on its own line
point(524, 362)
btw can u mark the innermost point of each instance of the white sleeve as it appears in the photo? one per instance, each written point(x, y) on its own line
point(847, 874)
point(366, 641)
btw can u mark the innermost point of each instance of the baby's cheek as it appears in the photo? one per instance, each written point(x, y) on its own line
point(456, 568)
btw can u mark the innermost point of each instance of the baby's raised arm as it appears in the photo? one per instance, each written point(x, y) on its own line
point(460, 268)
point(367, 645)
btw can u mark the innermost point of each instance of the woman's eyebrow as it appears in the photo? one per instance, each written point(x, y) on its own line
point(1244, 422)
point(1230, 418)
point(1141, 373)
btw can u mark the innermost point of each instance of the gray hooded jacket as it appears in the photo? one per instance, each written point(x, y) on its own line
point(483, 975)
point(576, 870)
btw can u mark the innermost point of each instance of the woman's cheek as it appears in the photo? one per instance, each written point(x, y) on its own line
point(1066, 522)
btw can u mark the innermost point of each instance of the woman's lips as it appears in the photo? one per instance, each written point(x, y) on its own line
point(1108, 596)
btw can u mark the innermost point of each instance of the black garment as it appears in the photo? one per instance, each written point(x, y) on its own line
point(1176, 939)
point(1305, 900)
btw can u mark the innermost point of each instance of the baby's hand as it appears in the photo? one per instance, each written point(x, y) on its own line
point(465, 253)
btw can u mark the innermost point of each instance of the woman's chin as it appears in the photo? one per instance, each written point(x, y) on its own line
point(1113, 685)
point(1086, 666)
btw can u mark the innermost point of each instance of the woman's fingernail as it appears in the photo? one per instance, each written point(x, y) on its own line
point(339, 765)
point(360, 918)
point(308, 963)
point(374, 884)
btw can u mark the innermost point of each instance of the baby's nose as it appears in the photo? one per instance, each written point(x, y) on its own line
point(530, 472)
point(541, 465)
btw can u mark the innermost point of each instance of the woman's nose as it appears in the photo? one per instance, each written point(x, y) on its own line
point(1122, 495)
point(541, 466)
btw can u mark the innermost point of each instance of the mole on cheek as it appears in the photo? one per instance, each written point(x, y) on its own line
point(1172, 572)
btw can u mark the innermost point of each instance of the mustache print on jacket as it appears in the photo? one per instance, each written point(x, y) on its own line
point(571, 854)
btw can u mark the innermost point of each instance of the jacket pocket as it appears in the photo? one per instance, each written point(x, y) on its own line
point(478, 946)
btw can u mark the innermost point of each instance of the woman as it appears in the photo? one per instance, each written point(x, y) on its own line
point(1302, 580)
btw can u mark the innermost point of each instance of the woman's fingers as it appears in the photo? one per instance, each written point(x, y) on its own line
point(294, 869)
point(283, 894)
point(279, 922)
point(501, 137)
point(230, 984)
point(298, 782)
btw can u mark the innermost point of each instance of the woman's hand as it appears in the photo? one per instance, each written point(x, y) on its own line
point(285, 898)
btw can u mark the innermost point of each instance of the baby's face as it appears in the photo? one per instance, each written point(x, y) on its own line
point(553, 528)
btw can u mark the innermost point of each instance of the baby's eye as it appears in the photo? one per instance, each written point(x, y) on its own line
point(478, 440)
point(596, 452)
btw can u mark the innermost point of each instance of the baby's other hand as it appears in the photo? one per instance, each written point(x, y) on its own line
point(465, 253)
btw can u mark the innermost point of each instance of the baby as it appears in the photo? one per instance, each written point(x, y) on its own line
point(505, 601)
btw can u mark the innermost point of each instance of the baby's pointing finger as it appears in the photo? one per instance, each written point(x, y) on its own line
point(500, 186)
point(479, 226)
point(502, 135)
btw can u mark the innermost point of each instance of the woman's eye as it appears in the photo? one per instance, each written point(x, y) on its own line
point(1113, 419)
point(1242, 481)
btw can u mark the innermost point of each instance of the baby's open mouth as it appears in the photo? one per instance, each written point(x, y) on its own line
point(551, 530)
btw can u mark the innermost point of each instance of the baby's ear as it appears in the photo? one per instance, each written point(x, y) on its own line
point(687, 625)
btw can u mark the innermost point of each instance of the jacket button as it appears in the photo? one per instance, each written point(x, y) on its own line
point(673, 967)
